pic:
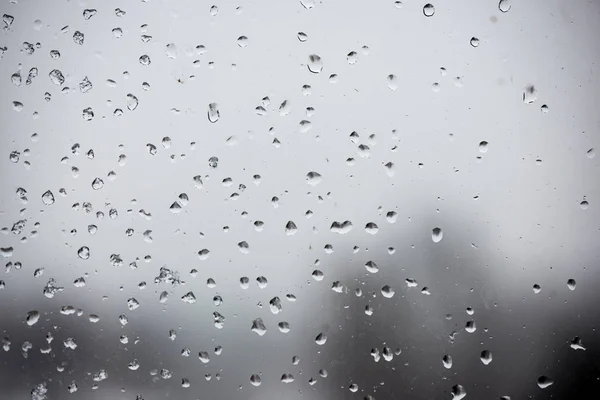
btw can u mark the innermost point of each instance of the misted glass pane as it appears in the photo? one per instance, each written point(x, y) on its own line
point(299, 199)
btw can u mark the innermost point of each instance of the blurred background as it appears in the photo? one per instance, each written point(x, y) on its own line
point(299, 199)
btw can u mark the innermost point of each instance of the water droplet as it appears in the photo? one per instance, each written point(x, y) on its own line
point(262, 282)
point(242, 41)
point(486, 357)
point(584, 205)
point(470, 327)
point(474, 41)
point(258, 327)
point(56, 77)
point(313, 178)
point(372, 267)
point(132, 303)
point(341, 227)
point(290, 228)
point(352, 57)
point(87, 114)
point(189, 298)
point(315, 64)
point(428, 10)
point(544, 108)
point(145, 59)
point(16, 78)
point(387, 292)
point(392, 82)
point(287, 378)
point(244, 282)
point(275, 305)
point(255, 380)
point(132, 102)
point(591, 153)
point(353, 387)
point(321, 339)
point(84, 252)
point(32, 317)
point(89, 13)
point(576, 344)
point(483, 147)
point(97, 184)
point(436, 235)
point(213, 112)
point(537, 288)
point(302, 37)
point(458, 392)
point(171, 50)
point(78, 38)
point(544, 381)
point(571, 284)
point(447, 361)
point(529, 94)
point(504, 5)
point(371, 228)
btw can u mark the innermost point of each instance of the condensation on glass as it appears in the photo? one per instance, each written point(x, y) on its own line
point(299, 199)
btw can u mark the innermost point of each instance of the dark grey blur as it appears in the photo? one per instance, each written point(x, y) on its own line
point(299, 200)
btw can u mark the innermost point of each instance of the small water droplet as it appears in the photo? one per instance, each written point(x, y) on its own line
point(97, 184)
point(529, 94)
point(504, 5)
point(458, 392)
point(171, 50)
point(436, 235)
point(315, 64)
point(213, 112)
point(447, 361)
point(571, 284)
point(242, 41)
point(544, 382)
point(258, 327)
point(470, 327)
point(255, 380)
point(78, 38)
point(392, 82)
point(32, 317)
point(486, 357)
point(290, 228)
point(303, 37)
point(576, 344)
point(372, 267)
point(428, 10)
point(474, 41)
point(84, 252)
point(132, 102)
point(387, 292)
